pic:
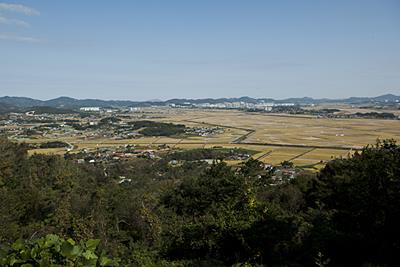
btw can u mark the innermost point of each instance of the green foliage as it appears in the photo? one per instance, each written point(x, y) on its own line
point(363, 196)
point(320, 261)
point(52, 250)
point(153, 128)
point(217, 186)
point(197, 214)
point(54, 144)
point(207, 153)
point(109, 120)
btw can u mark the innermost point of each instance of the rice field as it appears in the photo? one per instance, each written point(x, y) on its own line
point(47, 151)
point(294, 130)
point(304, 140)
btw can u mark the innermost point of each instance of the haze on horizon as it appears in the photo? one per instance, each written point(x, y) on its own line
point(140, 50)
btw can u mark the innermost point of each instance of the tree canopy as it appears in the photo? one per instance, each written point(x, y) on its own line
point(54, 211)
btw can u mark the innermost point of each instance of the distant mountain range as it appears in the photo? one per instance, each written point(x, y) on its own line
point(10, 103)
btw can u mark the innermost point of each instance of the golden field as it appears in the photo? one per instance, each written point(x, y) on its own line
point(304, 140)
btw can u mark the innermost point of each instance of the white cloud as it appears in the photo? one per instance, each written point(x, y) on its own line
point(19, 9)
point(17, 22)
point(25, 39)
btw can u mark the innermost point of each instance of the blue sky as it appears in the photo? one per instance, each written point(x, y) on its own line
point(147, 49)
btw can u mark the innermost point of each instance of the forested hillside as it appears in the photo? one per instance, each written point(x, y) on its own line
point(145, 212)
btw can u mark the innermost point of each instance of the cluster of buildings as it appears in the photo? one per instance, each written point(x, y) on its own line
point(107, 154)
point(237, 105)
point(265, 106)
point(205, 131)
point(109, 110)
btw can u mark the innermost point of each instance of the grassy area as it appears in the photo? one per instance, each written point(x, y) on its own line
point(279, 154)
point(47, 151)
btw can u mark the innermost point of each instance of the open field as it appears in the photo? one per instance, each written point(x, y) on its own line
point(279, 154)
point(307, 131)
point(304, 140)
point(47, 151)
point(317, 155)
point(297, 130)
